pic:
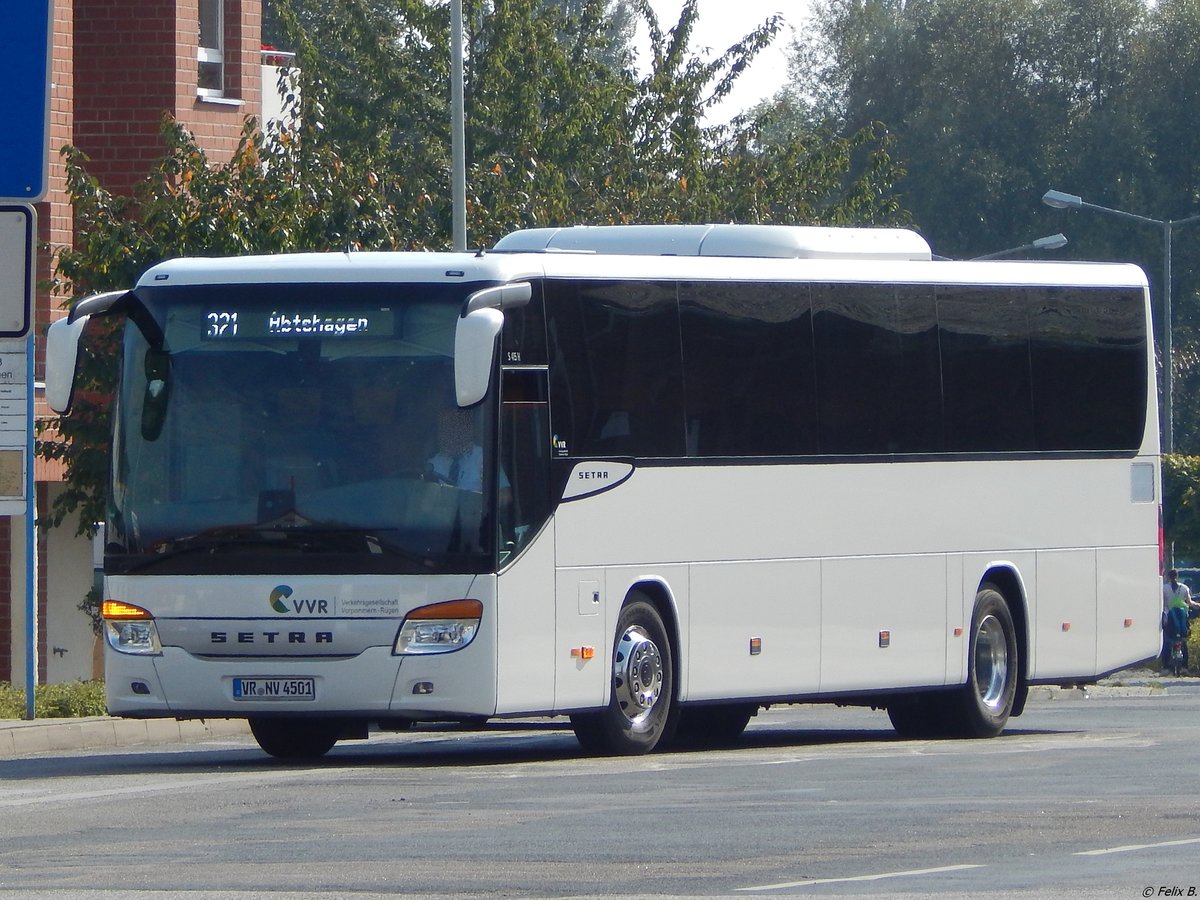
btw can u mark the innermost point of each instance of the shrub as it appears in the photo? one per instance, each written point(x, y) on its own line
point(72, 699)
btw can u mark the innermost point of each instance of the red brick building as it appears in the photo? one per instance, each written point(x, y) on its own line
point(117, 66)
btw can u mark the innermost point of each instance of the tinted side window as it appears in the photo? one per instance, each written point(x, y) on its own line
point(524, 333)
point(1088, 352)
point(616, 371)
point(858, 361)
point(984, 336)
point(748, 369)
point(917, 395)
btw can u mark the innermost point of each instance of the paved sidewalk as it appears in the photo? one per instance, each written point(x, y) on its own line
point(20, 738)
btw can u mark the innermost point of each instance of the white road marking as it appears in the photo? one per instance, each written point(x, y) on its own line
point(1129, 848)
point(879, 877)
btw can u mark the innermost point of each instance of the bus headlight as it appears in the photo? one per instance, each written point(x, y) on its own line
point(129, 628)
point(439, 628)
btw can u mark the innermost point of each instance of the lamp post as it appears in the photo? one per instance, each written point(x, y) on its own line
point(1049, 242)
point(458, 152)
point(1061, 200)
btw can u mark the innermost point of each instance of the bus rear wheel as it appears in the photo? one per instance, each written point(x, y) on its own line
point(641, 711)
point(295, 738)
point(986, 701)
point(922, 716)
point(981, 707)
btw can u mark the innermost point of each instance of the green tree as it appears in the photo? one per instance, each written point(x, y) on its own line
point(1181, 506)
point(557, 133)
point(1165, 87)
point(989, 101)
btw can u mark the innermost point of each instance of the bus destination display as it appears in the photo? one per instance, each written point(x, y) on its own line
point(255, 324)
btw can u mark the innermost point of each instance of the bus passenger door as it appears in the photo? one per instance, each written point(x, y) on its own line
point(525, 589)
point(525, 640)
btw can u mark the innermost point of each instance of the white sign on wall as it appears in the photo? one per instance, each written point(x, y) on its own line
point(16, 268)
point(14, 425)
point(17, 229)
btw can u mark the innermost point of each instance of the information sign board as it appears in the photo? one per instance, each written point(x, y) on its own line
point(25, 42)
point(17, 229)
point(14, 425)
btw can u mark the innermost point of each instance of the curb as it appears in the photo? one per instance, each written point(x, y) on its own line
point(1094, 692)
point(50, 735)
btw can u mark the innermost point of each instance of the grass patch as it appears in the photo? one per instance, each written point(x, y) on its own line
point(69, 700)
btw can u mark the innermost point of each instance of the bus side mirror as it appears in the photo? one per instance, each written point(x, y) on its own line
point(475, 353)
point(62, 358)
point(62, 346)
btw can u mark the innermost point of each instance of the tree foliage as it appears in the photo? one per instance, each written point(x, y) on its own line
point(1181, 506)
point(561, 130)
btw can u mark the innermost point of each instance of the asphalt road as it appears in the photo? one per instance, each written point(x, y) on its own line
point(1079, 798)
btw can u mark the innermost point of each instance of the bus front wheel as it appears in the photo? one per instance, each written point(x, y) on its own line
point(641, 710)
point(298, 738)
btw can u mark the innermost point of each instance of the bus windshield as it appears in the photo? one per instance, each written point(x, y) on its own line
point(297, 428)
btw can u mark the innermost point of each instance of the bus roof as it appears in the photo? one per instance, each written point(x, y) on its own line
point(691, 252)
point(757, 241)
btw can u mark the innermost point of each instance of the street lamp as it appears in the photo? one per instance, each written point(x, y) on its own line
point(1049, 242)
point(1062, 200)
point(458, 142)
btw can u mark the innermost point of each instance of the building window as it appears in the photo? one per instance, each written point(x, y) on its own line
point(211, 51)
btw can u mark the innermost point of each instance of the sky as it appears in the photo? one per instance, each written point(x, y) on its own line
point(723, 22)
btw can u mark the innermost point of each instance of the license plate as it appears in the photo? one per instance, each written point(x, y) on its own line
point(274, 689)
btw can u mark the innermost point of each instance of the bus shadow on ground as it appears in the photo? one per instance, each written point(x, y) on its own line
point(433, 746)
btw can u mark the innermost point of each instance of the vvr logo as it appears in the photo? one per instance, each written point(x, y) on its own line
point(278, 596)
point(312, 607)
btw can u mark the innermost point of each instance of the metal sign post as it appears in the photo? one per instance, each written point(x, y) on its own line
point(18, 226)
point(26, 42)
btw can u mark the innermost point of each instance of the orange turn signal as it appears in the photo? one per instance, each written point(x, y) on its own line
point(115, 609)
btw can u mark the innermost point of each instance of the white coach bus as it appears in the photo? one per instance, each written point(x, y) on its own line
point(652, 478)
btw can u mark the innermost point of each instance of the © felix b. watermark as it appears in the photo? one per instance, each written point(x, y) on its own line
point(1166, 890)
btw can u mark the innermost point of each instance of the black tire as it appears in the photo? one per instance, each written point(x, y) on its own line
point(981, 707)
point(641, 712)
point(922, 716)
point(298, 738)
point(985, 702)
point(714, 725)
